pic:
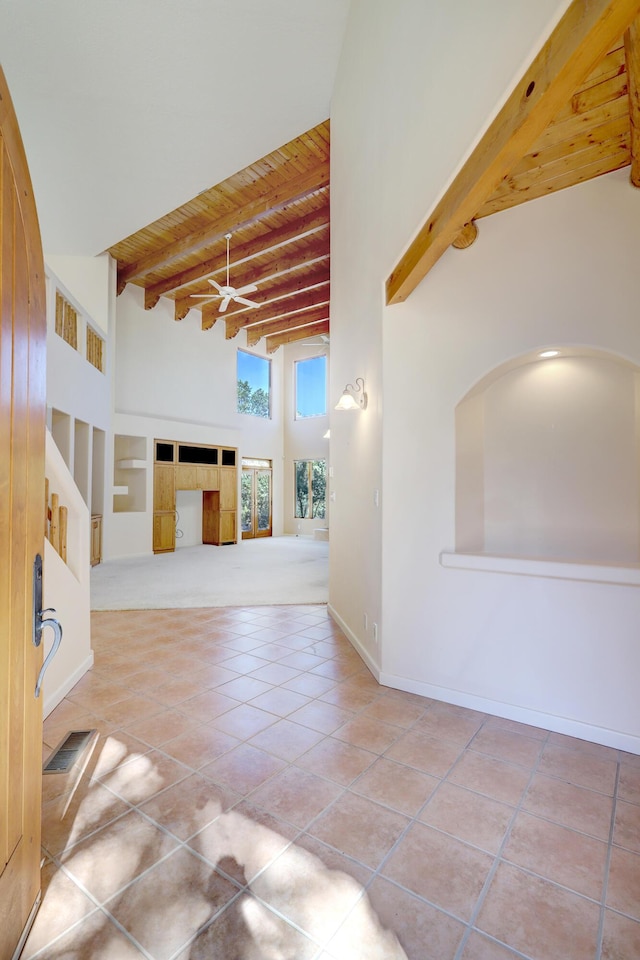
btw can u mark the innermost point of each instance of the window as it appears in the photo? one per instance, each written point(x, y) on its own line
point(311, 387)
point(311, 488)
point(254, 385)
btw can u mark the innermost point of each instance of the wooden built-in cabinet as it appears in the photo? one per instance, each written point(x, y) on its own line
point(164, 508)
point(164, 532)
point(181, 466)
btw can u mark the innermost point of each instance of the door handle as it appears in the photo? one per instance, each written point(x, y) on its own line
point(40, 622)
point(57, 639)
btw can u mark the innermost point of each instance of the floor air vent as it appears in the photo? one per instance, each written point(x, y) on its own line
point(67, 752)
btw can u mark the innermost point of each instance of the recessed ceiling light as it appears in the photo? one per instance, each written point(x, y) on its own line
point(548, 353)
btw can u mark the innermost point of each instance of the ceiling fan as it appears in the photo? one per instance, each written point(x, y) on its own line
point(227, 293)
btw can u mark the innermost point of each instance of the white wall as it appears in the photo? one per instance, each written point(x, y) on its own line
point(398, 131)
point(75, 386)
point(90, 279)
point(175, 381)
point(65, 588)
point(79, 412)
point(79, 397)
point(555, 272)
point(560, 270)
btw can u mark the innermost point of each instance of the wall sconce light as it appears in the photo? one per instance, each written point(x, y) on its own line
point(353, 398)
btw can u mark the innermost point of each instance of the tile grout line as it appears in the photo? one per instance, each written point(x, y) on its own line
point(349, 787)
point(205, 926)
point(345, 789)
point(498, 859)
point(377, 873)
point(99, 909)
point(605, 884)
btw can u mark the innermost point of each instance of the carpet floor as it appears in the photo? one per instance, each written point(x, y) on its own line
point(272, 570)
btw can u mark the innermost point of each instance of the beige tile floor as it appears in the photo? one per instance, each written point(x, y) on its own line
point(255, 795)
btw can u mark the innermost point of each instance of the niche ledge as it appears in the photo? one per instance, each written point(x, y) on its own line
point(555, 569)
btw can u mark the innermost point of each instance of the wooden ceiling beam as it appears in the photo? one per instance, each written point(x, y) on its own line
point(525, 175)
point(210, 315)
point(269, 202)
point(521, 193)
point(596, 96)
point(290, 286)
point(283, 263)
point(585, 140)
point(315, 330)
point(632, 58)
point(296, 230)
point(277, 308)
point(301, 319)
point(254, 333)
point(578, 124)
point(585, 33)
point(466, 237)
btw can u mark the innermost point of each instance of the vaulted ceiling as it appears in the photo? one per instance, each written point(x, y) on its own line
point(277, 214)
point(129, 108)
point(574, 116)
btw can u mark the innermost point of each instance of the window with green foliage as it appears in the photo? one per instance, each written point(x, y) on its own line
point(311, 488)
point(311, 387)
point(254, 385)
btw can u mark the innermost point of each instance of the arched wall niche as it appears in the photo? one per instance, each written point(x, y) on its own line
point(547, 460)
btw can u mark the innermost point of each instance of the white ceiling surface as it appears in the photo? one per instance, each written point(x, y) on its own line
point(129, 108)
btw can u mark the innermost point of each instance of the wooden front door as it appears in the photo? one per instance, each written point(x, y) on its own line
point(22, 422)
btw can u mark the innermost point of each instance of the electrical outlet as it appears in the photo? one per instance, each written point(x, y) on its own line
point(374, 627)
point(366, 623)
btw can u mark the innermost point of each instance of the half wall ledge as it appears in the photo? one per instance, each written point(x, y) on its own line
point(628, 576)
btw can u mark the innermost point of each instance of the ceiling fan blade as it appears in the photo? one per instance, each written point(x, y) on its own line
point(224, 304)
point(247, 303)
point(214, 283)
point(248, 288)
point(204, 296)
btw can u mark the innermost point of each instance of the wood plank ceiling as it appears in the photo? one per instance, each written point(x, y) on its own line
point(575, 115)
point(277, 212)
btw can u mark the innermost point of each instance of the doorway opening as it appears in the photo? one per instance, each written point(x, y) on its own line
point(256, 498)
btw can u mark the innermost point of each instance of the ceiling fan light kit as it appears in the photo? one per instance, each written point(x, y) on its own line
point(227, 293)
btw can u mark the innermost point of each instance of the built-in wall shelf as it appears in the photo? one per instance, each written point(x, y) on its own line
point(129, 474)
point(131, 464)
point(555, 569)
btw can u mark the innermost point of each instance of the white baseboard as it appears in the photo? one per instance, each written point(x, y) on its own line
point(353, 640)
point(546, 721)
point(536, 718)
point(52, 700)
